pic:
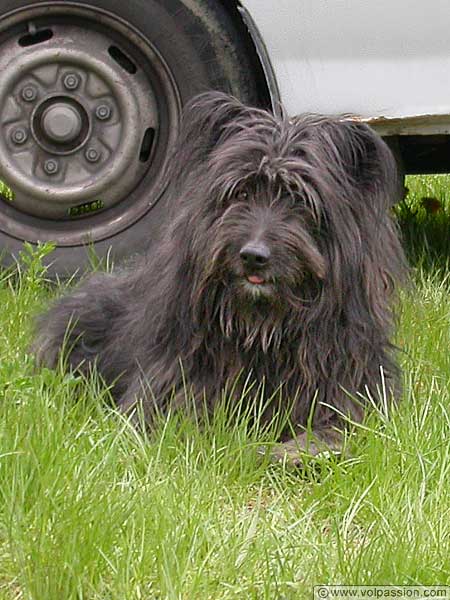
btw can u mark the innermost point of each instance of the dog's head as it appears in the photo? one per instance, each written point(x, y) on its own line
point(273, 209)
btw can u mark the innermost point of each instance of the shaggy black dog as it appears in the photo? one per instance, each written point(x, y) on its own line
point(278, 267)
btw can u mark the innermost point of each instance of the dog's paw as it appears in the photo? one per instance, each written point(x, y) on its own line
point(299, 451)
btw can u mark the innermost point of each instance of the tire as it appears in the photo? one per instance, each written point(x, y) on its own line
point(90, 99)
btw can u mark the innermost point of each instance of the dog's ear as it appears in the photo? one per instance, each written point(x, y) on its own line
point(357, 156)
point(356, 175)
point(203, 126)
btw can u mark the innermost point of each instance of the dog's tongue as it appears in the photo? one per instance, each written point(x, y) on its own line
point(255, 279)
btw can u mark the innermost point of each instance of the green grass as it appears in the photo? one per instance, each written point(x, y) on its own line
point(425, 220)
point(91, 510)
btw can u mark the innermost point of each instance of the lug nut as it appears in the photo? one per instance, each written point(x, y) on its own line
point(51, 167)
point(71, 81)
point(29, 93)
point(103, 112)
point(19, 136)
point(92, 155)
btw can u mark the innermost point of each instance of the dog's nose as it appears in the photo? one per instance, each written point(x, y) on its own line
point(255, 255)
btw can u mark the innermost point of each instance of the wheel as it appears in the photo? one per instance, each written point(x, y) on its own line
point(90, 100)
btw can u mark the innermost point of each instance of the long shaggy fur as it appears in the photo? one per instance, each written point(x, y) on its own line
point(315, 194)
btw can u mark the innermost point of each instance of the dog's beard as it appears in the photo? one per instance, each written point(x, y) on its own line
point(276, 290)
point(259, 288)
point(274, 299)
point(249, 313)
point(257, 316)
point(261, 293)
point(272, 291)
point(251, 316)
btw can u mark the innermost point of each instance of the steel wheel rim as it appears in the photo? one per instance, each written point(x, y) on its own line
point(83, 184)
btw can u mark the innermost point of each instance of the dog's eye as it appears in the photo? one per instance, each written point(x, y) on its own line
point(241, 195)
point(235, 196)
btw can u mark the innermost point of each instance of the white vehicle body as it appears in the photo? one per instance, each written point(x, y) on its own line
point(386, 61)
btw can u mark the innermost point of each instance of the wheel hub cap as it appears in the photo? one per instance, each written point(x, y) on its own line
point(61, 123)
